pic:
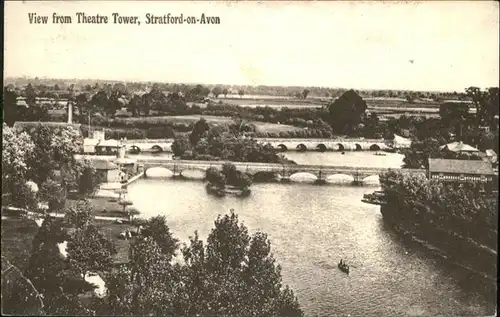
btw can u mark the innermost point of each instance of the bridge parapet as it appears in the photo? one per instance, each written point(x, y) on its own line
point(281, 143)
point(284, 170)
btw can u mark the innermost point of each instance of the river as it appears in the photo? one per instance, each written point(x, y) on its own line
point(311, 228)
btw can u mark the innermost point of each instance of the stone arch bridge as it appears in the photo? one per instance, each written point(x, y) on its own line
point(283, 170)
point(322, 145)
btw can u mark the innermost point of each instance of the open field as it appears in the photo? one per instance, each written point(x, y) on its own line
point(264, 127)
point(172, 119)
point(112, 231)
point(271, 102)
point(18, 235)
point(212, 120)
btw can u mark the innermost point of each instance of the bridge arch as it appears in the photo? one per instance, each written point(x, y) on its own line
point(372, 179)
point(157, 148)
point(340, 147)
point(303, 177)
point(282, 147)
point(158, 172)
point(321, 147)
point(265, 176)
point(374, 147)
point(339, 179)
point(193, 173)
point(302, 147)
point(134, 149)
point(357, 147)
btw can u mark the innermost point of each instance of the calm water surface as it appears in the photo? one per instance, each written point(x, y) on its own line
point(311, 228)
point(350, 158)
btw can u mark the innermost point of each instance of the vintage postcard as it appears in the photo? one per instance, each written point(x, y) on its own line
point(245, 158)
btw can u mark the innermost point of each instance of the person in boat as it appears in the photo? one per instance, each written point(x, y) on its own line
point(342, 262)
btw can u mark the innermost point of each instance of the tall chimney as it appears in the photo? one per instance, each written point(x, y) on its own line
point(70, 112)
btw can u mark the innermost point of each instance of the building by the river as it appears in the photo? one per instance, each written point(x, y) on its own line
point(446, 170)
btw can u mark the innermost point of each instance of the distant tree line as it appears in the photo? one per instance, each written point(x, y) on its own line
point(456, 123)
point(347, 115)
point(47, 86)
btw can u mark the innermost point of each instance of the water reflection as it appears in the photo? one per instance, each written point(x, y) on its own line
point(350, 158)
point(311, 228)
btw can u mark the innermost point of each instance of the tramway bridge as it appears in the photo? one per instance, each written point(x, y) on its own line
point(282, 171)
point(282, 144)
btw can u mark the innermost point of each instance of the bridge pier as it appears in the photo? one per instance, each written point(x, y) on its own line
point(358, 179)
point(285, 179)
point(321, 179)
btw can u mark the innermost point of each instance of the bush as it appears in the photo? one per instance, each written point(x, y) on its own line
point(166, 132)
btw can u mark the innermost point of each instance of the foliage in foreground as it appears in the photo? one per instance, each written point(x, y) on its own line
point(464, 209)
point(233, 274)
point(42, 155)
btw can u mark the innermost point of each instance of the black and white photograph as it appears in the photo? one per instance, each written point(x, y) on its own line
point(250, 158)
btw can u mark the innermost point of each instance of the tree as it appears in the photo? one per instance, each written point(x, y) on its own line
point(53, 193)
point(242, 180)
point(198, 93)
point(144, 286)
point(235, 274)
point(229, 170)
point(181, 145)
point(305, 93)
point(17, 148)
point(410, 97)
point(79, 215)
point(199, 128)
point(90, 251)
point(31, 94)
point(241, 92)
point(89, 179)
point(10, 108)
point(486, 103)
point(215, 177)
point(345, 112)
point(54, 150)
point(239, 126)
point(225, 92)
point(82, 103)
point(157, 229)
point(454, 115)
point(216, 91)
point(418, 154)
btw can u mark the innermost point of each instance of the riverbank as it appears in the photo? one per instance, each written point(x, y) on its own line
point(465, 252)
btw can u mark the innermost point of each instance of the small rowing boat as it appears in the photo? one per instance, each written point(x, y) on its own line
point(343, 267)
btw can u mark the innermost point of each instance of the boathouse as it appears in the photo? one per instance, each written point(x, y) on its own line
point(460, 170)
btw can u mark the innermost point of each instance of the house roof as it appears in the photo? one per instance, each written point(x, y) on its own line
point(458, 147)
point(460, 166)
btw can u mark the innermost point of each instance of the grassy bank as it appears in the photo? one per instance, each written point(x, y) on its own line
point(18, 235)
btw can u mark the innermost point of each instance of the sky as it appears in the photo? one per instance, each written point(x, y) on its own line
point(443, 46)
